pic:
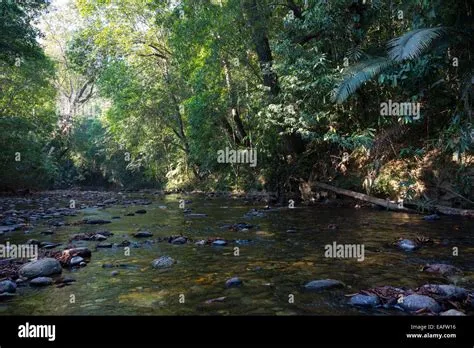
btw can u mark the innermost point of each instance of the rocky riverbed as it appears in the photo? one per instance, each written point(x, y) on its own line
point(157, 253)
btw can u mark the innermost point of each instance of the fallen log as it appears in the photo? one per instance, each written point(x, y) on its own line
point(454, 211)
point(390, 205)
point(363, 197)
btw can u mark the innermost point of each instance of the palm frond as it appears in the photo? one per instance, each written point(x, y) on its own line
point(357, 76)
point(413, 43)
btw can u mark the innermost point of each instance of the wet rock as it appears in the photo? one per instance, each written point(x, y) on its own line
point(40, 268)
point(98, 237)
point(130, 214)
point(254, 213)
point(104, 245)
point(143, 234)
point(218, 299)
point(76, 261)
point(200, 242)
point(48, 245)
point(110, 201)
point(219, 242)
point(431, 217)
point(115, 217)
point(7, 286)
point(46, 233)
point(444, 292)
point(234, 282)
point(163, 262)
point(108, 265)
point(179, 240)
point(407, 244)
point(243, 241)
point(114, 273)
point(364, 300)
point(414, 303)
point(33, 242)
point(196, 215)
point(441, 268)
point(453, 313)
point(82, 252)
point(124, 243)
point(323, 284)
point(68, 280)
point(97, 222)
point(41, 281)
point(332, 227)
point(140, 211)
point(105, 233)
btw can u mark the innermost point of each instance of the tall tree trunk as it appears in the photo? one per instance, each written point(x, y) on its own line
point(235, 114)
point(292, 143)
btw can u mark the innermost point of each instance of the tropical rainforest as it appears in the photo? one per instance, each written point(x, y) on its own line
point(131, 94)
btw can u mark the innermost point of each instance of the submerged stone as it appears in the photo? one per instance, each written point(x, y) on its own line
point(234, 282)
point(323, 284)
point(163, 262)
point(364, 300)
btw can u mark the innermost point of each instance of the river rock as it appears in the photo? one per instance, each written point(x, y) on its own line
point(234, 282)
point(453, 313)
point(140, 211)
point(130, 214)
point(82, 252)
point(323, 284)
point(7, 286)
point(414, 303)
point(97, 222)
point(219, 242)
point(143, 234)
point(431, 217)
point(196, 215)
point(76, 261)
point(104, 245)
point(32, 242)
point(364, 300)
point(48, 245)
point(40, 268)
point(179, 240)
point(163, 262)
point(114, 273)
point(407, 244)
point(98, 237)
point(41, 281)
point(441, 268)
point(445, 292)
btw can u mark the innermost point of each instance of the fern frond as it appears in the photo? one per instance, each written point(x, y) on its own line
point(357, 76)
point(413, 43)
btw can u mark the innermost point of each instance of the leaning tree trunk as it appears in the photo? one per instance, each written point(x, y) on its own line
point(389, 205)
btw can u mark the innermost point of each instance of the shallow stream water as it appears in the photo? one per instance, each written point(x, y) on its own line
point(273, 265)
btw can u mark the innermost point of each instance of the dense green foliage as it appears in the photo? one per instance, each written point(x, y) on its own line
point(302, 82)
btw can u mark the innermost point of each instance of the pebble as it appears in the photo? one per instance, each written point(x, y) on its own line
point(163, 262)
point(234, 282)
point(76, 261)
